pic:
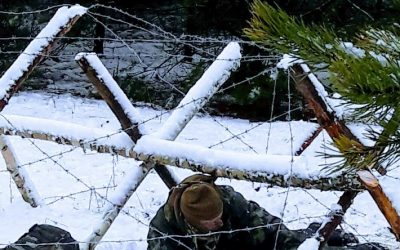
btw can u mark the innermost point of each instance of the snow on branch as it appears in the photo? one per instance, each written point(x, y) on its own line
point(122, 108)
point(110, 91)
point(18, 173)
point(116, 202)
point(259, 168)
point(202, 91)
point(101, 140)
point(242, 166)
point(41, 46)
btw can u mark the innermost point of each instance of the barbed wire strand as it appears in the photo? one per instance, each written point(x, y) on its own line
point(119, 131)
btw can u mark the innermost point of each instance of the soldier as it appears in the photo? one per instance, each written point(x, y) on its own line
point(201, 215)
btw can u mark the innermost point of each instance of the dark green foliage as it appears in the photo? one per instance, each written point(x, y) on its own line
point(367, 74)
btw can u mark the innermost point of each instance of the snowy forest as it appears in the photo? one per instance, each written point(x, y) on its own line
point(107, 105)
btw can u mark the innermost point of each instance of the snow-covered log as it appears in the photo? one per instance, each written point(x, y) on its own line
point(116, 203)
point(212, 79)
point(122, 108)
point(100, 140)
point(115, 98)
point(382, 200)
point(18, 173)
point(104, 141)
point(37, 50)
point(130, 121)
point(315, 95)
point(242, 166)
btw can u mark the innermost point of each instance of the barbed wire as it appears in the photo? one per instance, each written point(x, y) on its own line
point(33, 11)
point(172, 39)
point(187, 236)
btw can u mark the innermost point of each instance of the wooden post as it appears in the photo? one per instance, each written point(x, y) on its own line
point(122, 108)
point(336, 128)
point(121, 196)
point(27, 61)
point(383, 202)
point(18, 174)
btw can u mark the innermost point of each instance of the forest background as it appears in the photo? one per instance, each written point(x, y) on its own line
point(199, 28)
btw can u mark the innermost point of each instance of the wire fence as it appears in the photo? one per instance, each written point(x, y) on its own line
point(163, 37)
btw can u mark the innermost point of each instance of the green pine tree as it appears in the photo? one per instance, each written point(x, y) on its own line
point(364, 71)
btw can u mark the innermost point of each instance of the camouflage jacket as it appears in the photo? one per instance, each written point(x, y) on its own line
point(246, 226)
point(44, 237)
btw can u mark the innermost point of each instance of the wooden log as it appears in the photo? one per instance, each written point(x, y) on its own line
point(308, 142)
point(198, 95)
point(112, 95)
point(18, 173)
point(120, 105)
point(130, 121)
point(26, 62)
point(383, 202)
point(116, 203)
point(336, 128)
point(338, 183)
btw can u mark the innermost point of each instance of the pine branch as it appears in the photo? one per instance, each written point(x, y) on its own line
point(359, 76)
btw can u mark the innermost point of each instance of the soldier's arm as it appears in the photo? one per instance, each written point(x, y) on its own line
point(264, 228)
point(161, 235)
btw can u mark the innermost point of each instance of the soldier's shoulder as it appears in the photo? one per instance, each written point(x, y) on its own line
point(231, 196)
point(52, 237)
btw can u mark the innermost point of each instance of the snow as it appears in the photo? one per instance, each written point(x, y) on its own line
point(75, 204)
point(309, 244)
point(103, 74)
point(205, 87)
point(77, 186)
point(42, 40)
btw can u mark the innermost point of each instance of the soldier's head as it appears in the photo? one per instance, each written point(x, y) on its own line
point(202, 207)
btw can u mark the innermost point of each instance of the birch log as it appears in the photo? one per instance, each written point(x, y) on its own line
point(130, 121)
point(19, 175)
point(338, 183)
point(37, 50)
point(116, 202)
point(212, 79)
point(120, 105)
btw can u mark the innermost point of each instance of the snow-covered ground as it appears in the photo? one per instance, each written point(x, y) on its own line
point(70, 184)
point(75, 184)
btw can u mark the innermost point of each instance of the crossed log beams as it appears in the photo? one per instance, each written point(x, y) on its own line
point(129, 121)
point(198, 95)
point(112, 94)
point(91, 142)
point(337, 128)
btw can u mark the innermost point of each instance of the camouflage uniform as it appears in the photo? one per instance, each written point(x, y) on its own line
point(169, 231)
point(44, 237)
point(238, 215)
